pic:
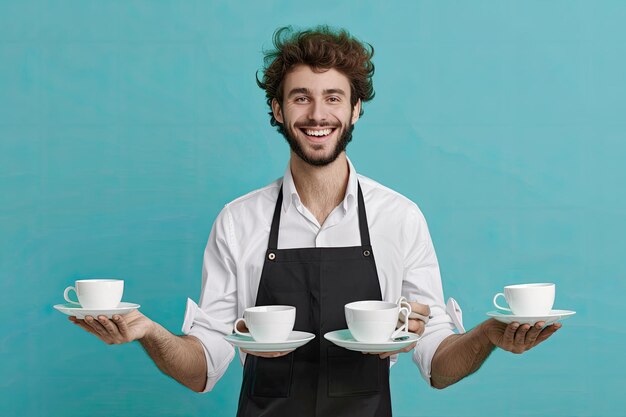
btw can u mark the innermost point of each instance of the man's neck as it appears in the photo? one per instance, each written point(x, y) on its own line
point(321, 189)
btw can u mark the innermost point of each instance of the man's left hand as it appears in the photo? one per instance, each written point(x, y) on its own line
point(416, 326)
point(518, 338)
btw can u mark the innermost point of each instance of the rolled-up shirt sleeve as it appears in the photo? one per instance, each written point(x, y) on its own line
point(212, 317)
point(422, 283)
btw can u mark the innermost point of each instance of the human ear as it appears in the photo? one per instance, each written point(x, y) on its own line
point(356, 111)
point(277, 110)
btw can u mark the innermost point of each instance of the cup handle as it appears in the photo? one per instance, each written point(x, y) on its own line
point(402, 302)
point(66, 295)
point(237, 331)
point(405, 325)
point(495, 303)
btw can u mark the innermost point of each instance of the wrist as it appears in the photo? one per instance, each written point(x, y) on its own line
point(483, 333)
point(151, 331)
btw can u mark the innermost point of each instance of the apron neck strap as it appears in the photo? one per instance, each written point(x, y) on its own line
point(363, 228)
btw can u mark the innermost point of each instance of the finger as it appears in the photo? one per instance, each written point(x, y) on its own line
point(417, 326)
point(112, 330)
point(267, 354)
point(532, 334)
point(97, 327)
point(75, 320)
point(395, 352)
point(547, 332)
point(270, 355)
point(422, 309)
point(83, 325)
point(122, 326)
point(520, 334)
point(509, 333)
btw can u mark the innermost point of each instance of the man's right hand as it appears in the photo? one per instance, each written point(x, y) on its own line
point(121, 329)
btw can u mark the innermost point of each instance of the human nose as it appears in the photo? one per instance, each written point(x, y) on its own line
point(317, 111)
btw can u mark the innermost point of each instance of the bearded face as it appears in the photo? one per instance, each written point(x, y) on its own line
point(316, 116)
point(313, 154)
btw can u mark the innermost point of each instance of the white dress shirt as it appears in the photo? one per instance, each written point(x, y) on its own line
point(235, 252)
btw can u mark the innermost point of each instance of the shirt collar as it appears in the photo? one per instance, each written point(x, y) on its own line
point(290, 194)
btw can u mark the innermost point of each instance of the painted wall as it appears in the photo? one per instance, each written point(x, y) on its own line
point(126, 125)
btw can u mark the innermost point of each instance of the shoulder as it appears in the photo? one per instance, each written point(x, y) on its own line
point(251, 210)
point(384, 198)
point(261, 196)
point(247, 216)
point(393, 214)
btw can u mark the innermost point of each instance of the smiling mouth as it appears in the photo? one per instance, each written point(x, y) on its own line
point(317, 132)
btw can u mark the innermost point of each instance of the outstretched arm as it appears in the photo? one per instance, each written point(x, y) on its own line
point(460, 355)
point(181, 357)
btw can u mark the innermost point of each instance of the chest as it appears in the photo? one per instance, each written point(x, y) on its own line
point(294, 232)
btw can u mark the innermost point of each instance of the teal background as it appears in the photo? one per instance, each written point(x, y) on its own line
point(125, 126)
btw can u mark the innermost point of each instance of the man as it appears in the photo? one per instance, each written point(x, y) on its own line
point(318, 238)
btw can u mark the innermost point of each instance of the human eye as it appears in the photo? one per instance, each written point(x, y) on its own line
point(334, 99)
point(301, 99)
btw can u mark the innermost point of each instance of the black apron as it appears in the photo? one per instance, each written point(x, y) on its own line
point(319, 378)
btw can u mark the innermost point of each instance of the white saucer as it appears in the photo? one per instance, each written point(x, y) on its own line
point(295, 340)
point(80, 313)
point(344, 339)
point(553, 317)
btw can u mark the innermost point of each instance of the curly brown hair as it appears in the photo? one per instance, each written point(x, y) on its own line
point(321, 48)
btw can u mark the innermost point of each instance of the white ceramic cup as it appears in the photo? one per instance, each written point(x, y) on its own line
point(527, 299)
point(375, 321)
point(99, 294)
point(268, 324)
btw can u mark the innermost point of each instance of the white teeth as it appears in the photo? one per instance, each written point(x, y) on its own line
point(323, 132)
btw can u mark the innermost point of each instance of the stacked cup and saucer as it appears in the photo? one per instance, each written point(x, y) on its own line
point(528, 304)
point(270, 330)
point(372, 327)
point(96, 297)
